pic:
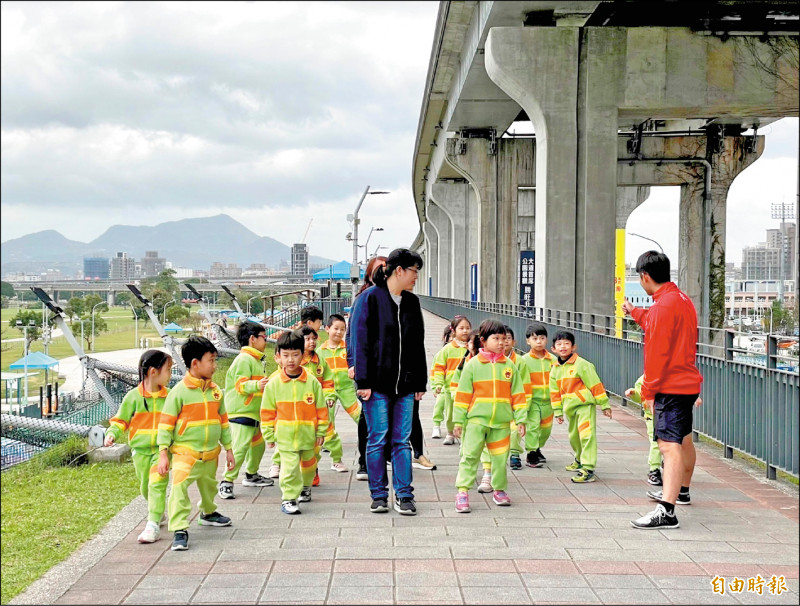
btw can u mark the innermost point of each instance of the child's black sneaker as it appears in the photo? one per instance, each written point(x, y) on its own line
point(290, 508)
point(533, 459)
point(514, 462)
point(654, 477)
point(540, 456)
point(225, 490)
point(214, 519)
point(256, 479)
point(180, 542)
point(379, 506)
point(656, 519)
point(405, 506)
point(362, 474)
point(305, 494)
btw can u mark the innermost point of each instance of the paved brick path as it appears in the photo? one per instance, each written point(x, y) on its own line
point(558, 542)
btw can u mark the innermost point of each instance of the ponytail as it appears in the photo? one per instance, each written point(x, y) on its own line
point(448, 334)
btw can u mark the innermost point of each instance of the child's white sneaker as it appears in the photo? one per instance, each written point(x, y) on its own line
point(436, 433)
point(274, 471)
point(449, 439)
point(486, 483)
point(150, 534)
point(339, 467)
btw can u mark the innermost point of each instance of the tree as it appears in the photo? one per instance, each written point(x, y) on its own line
point(195, 321)
point(123, 298)
point(100, 325)
point(75, 308)
point(176, 313)
point(25, 317)
point(6, 289)
point(780, 317)
point(3, 302)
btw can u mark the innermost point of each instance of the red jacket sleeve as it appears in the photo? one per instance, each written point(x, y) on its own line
point(639, 315)
point(658, 345)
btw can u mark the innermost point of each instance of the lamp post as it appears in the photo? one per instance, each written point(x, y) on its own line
point(136, 325)
point(366, 244)
point(630, 233)
point(377, 248)
point(355, 272)
point(93, 308)
point(25, 350)
point(165, 309)
point(248, 304)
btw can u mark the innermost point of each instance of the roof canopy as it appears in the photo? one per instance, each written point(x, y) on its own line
point(35, 359)
point(339, 271)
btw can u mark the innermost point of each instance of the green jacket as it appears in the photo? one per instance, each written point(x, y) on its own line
point(445, 364)
point(242, 395)
point(139, 414)
point(490, 393)
point(293, 411)
point(538, 371)
point(574, 383)
point(194, 417)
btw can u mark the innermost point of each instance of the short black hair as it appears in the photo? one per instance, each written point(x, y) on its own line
point(307, 330)
point(246, 330)
point(537, 329)
point(491, 327)
point(195, 348)
point(655, 264)
point(312, 313)
point(509, 331)
point(335, 318)
point(290, 340)
point(564, 335)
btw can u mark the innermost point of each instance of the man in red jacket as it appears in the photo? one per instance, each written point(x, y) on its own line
point(671, 383)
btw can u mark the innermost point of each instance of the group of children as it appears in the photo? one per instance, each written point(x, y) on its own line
point(495, 403)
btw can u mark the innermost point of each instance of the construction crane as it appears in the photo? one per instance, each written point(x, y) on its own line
point(305, 235)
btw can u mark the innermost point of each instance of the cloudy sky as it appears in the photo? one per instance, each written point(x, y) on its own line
point(140, 113)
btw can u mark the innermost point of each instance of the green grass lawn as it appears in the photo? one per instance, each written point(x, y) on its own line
point(49, 510)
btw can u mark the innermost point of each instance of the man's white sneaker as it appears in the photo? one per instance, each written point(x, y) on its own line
point(150, 534)
point(340, 467)
point(436, 433)
point(274, 471)
point(656, 519)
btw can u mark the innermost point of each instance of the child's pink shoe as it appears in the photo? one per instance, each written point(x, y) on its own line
point(462, 502)
point(501, 498)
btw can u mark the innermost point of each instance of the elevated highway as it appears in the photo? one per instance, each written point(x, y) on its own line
point(621, 96)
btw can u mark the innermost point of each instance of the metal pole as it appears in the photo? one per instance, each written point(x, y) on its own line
point(355, 243)
point(136, 325)
point(25, 336)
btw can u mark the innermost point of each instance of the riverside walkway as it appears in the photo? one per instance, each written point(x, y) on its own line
point(559, 542)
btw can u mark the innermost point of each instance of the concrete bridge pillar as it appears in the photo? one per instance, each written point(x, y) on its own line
point(453, 199)
point(444, 228)
point(479, 167)
point(702, 235)
point(111, 298)
point(432, 261)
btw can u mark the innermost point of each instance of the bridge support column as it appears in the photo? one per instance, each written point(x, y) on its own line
point(444, 228)
point(111, 298)
point(432, 262)
point(452, 199)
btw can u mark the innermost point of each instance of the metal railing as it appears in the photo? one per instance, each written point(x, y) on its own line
point(746, 407)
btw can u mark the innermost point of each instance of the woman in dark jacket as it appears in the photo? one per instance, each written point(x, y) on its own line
point(387, 341)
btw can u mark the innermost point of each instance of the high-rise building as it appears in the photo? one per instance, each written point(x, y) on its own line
point(221, 270)
point(123, 267)
point(785, 237)
point(761, 262)
point(95, 267)
point(299, 259)
point(152, 264)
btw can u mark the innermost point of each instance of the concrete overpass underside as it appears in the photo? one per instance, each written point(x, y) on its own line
point(620, 99)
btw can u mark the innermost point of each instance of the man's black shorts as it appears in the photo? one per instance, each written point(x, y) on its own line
point(672, 416)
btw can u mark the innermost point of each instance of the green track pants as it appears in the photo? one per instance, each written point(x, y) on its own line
point(654, 456)
point(540, 425)
point(474, 438)
point(248, 444)
point(443, 410)
point(152, 485)
point(582, 421)
point(297, 470)
point(186, 470)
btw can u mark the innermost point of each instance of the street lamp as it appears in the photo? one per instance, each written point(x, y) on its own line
point(355, 272)
point(165, 308)
point(630, 233)
point(136, 324)
point(377, 248)
point(366, 244)
point(93, 308)
point(25, 327)
point(248, 304)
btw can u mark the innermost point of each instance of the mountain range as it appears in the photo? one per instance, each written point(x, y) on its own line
point(194, 243)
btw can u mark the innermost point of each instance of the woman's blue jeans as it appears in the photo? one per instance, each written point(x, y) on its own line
point(378, 410)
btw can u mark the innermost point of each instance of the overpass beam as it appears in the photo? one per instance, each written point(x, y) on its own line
point(443, 226)
point(432, 261)
point(453, 198)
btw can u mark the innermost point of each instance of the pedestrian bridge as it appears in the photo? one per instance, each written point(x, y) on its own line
point(558, 542)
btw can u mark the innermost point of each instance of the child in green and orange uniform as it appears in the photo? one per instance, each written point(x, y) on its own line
point(537, 362)
point(333, 353)
point(193, 426)
point(575, 392)
point(294, 417)
point(139, 415)
point(445, 363)
point(244, 386)
point(490, 395)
